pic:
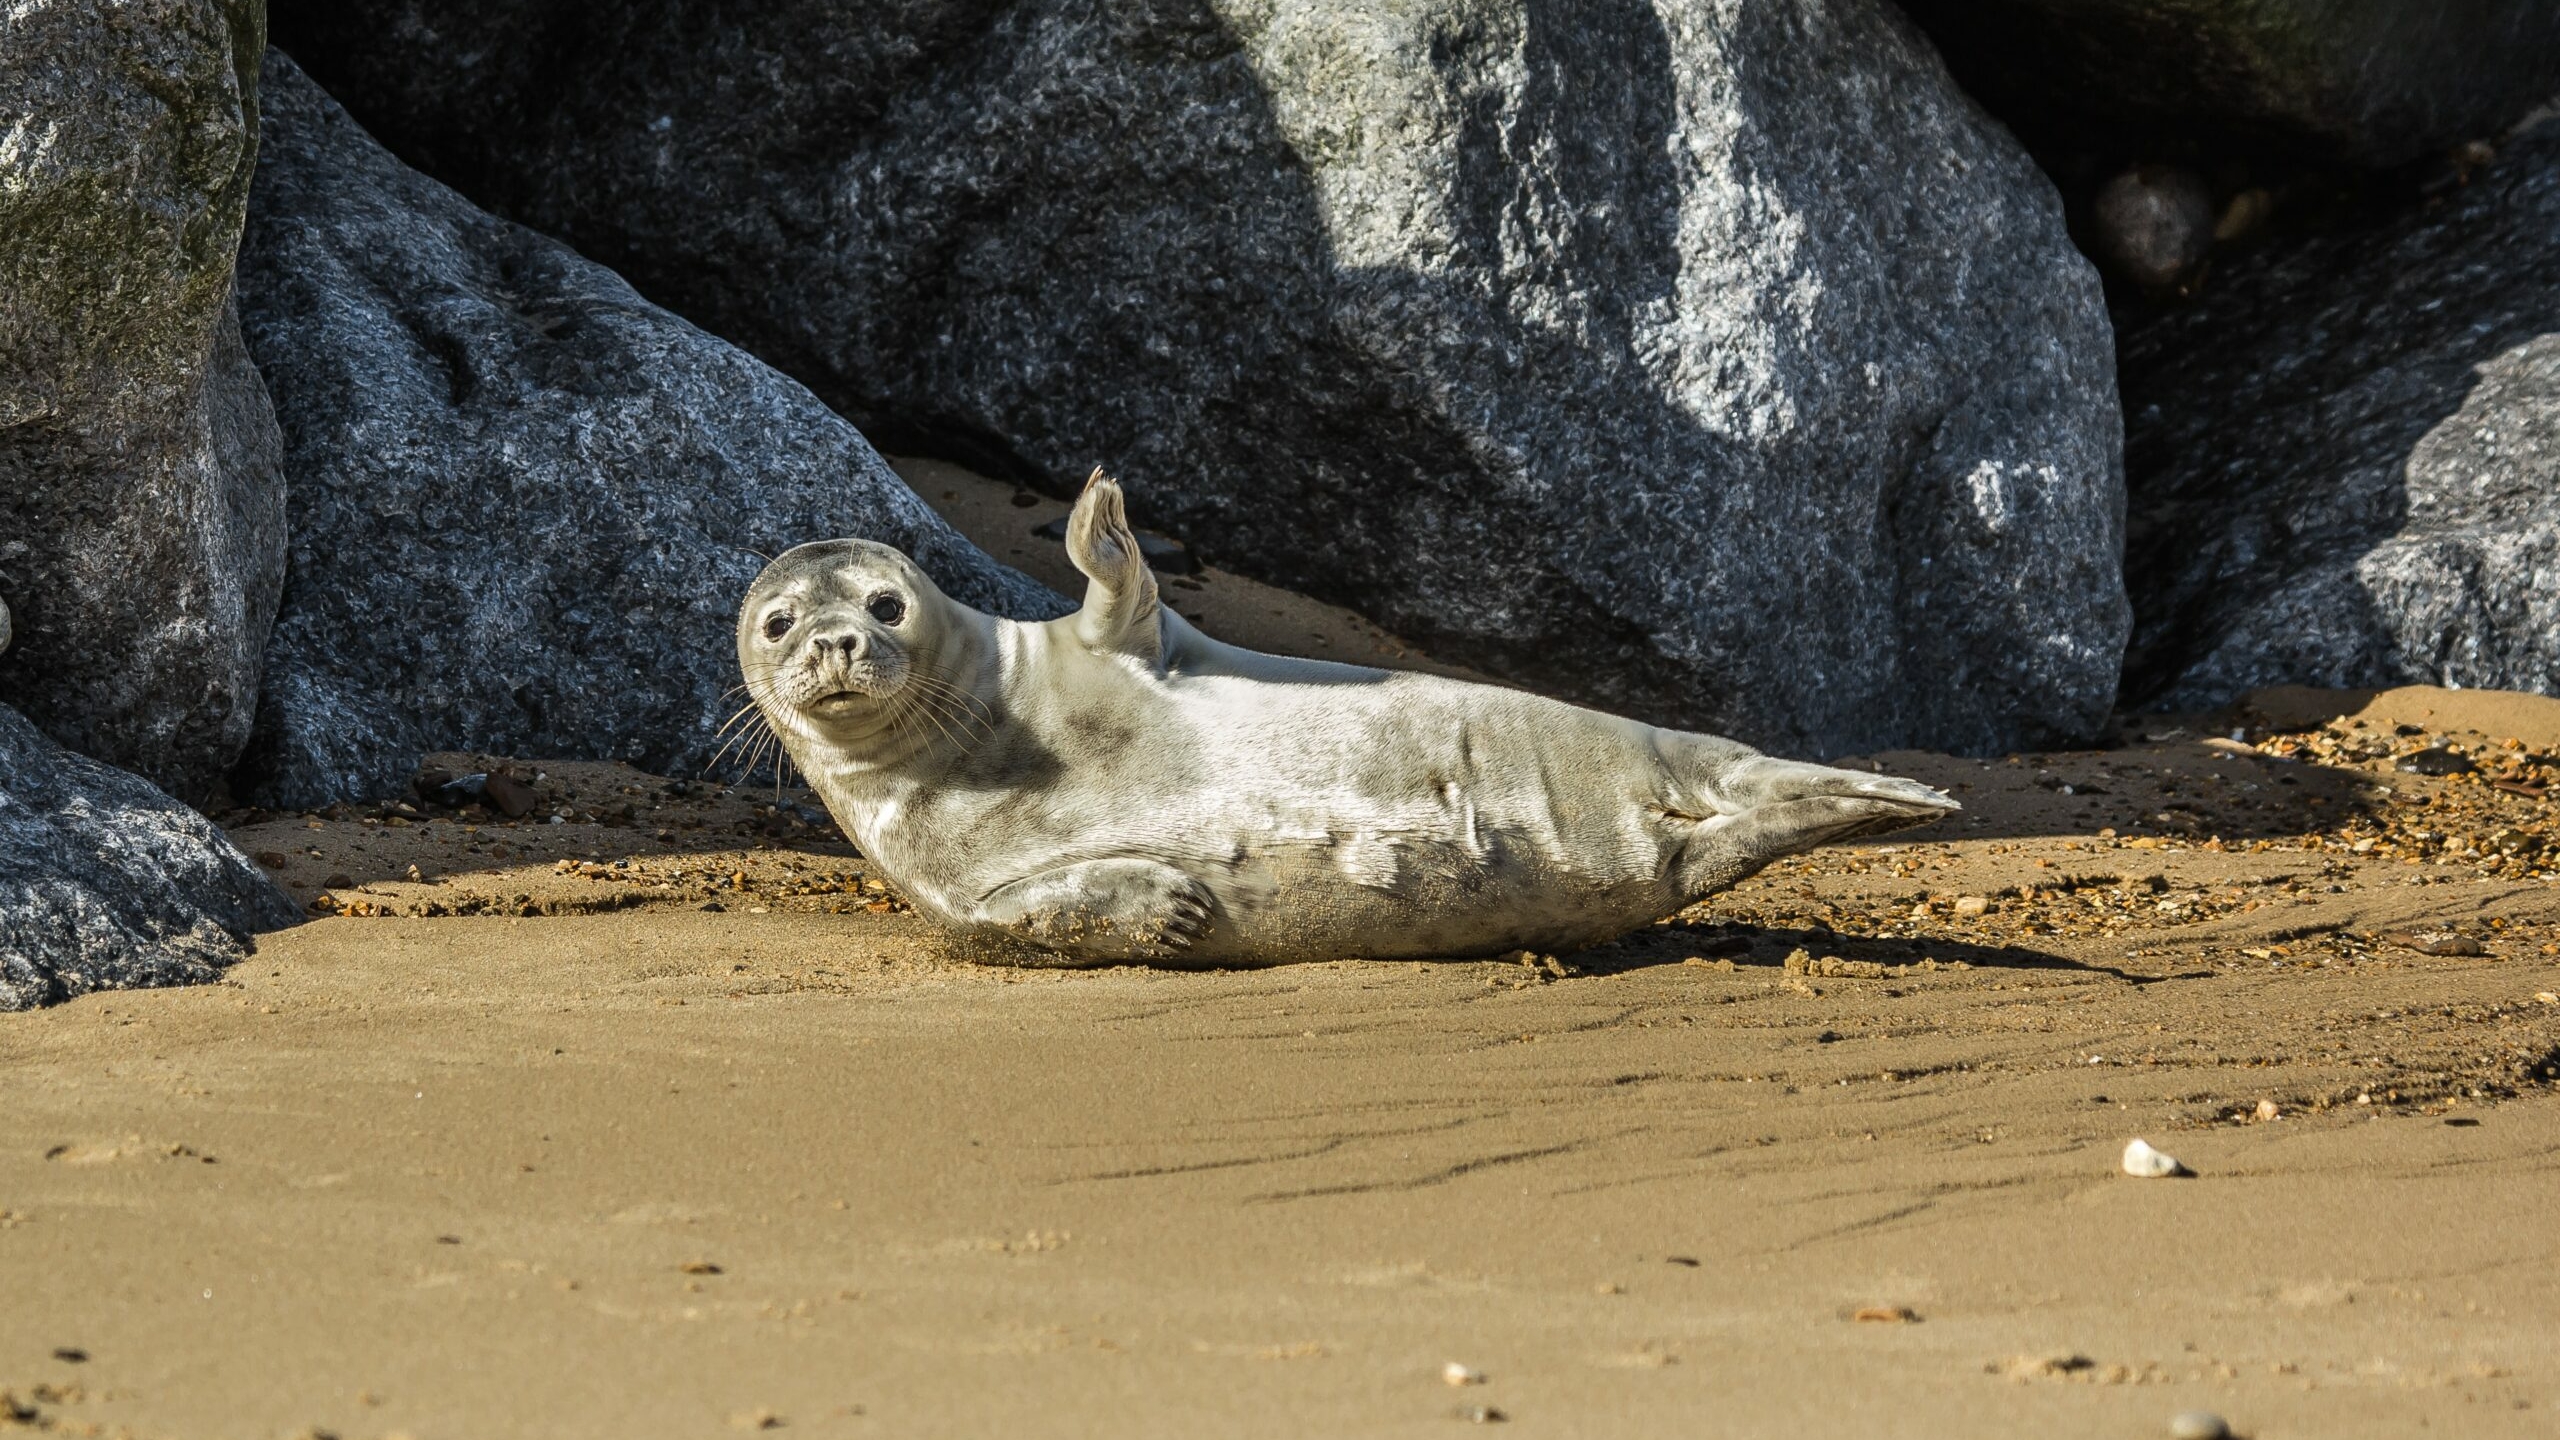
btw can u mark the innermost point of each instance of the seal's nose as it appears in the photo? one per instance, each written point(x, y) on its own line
point(851, 642)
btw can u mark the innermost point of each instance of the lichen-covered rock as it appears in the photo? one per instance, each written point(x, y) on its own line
point(1718, 364)
point(141, 508)
point(108, 884)
point(2345, 459)
point(527, 502)
point(2371, 82)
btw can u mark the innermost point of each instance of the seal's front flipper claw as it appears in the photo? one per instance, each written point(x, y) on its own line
point(1119, 613)
point(1123, 909)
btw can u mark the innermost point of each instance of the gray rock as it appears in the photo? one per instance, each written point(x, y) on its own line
point(2371, 82)
point(527, 502)
point(2345, 459)
point(1721, 366)
point(108, 884)
point(141, 507)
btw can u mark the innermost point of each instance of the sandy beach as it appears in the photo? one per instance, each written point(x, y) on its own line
point(421, 424)
point(649, 1112)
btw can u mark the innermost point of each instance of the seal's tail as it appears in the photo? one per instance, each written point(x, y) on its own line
point(1768, 809)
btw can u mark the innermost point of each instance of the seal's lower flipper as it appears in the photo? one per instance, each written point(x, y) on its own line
point(1777, 808)
point(1107, 909)
point(1119, 613)
point(1752, 781)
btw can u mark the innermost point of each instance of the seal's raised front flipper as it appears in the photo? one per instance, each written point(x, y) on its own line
point(1768, 809)
point(1120, 608)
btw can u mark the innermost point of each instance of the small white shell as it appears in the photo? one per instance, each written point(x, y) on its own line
point(2141, 1160)
point(1457, 1374)
point(2198, 1425)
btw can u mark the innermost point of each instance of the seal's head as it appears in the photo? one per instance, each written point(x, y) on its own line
point(833, 634)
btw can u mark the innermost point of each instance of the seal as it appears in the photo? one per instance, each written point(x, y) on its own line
point(1115, 785)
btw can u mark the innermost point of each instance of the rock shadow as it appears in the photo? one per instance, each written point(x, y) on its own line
point(2182, 787)
point(2275, 424)
point(1764, 949)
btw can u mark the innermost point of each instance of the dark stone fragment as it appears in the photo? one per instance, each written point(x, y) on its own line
point(2437, 761)
point(513, 797)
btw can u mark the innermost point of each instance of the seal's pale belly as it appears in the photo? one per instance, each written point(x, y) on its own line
point(1482, 832)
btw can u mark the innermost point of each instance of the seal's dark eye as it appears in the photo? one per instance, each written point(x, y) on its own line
point(888, 609)
point(777, 625)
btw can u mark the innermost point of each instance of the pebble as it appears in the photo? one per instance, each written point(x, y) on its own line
point(2267, 1110)
point(2435, 943)
point(1456, 1374)
point(1969, 906)
point(1481, 1415)
point(2437, 761)
point(2149, 1164)
point(513, 797)
point(2246, 215)
point(2198, 1425)
point(2154, 223)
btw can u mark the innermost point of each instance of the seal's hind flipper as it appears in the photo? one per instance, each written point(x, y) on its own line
point(1770, 809)
point(1119, 614)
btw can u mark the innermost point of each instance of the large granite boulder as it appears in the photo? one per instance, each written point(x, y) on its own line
point(2371, 82)
point(108, 884)
point(527, 502)
point(1721, 365)
point(2345, 458)
point(141, 508)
